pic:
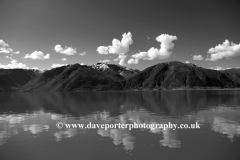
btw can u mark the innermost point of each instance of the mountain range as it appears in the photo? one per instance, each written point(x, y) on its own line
point(111, 77)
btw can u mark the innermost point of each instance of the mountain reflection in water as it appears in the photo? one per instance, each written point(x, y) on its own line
point(28, 116)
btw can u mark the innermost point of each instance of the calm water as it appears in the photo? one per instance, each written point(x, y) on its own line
point(28, 125)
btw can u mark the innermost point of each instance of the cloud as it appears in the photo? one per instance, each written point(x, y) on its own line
point(16, 52)
point(5, 48)
point(67, 50)
point(217, 68)
point(82, 53)
point(225, 50)
point(14, 64)
point(153, 53)
point(37, 55)
point(123, 46)
point(35, 68)
point(58, 65)
point(118, 47)
point(105, 61)
point(64, 59)
point(121, 59)
point(133, 61)
point(197, 57)
point(187, 62)
point(102, 50)
point(3, 44)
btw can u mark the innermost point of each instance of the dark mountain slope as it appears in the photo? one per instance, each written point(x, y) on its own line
point(79, 77)
point(177, 75)
point(233, 73)
point(10, 79)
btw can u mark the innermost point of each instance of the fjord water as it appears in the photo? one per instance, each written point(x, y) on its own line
point(28, 125)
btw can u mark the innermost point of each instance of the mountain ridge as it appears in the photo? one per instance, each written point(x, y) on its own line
point(111, 77)
point(178, 75)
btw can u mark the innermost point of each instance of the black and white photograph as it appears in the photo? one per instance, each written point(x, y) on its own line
point(119, 79)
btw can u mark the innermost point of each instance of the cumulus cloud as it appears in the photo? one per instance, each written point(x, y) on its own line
point(118, 47)
point(133, 61)
point(5, 48)
point(123, 46)
point(187, 62)
point(226, 50)
point(64, 59)
point(121, 58)
point(37, 55)
point(66, 50)
point(105, 61)
point(102, 50)
point(14, 64)
point(58, 65)
point(198, 57)
point(163, 52)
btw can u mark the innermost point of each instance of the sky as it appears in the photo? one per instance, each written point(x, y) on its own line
point(134, 33)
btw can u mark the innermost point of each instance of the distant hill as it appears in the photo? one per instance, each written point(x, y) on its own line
point(10, 79)
point(112, 77)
